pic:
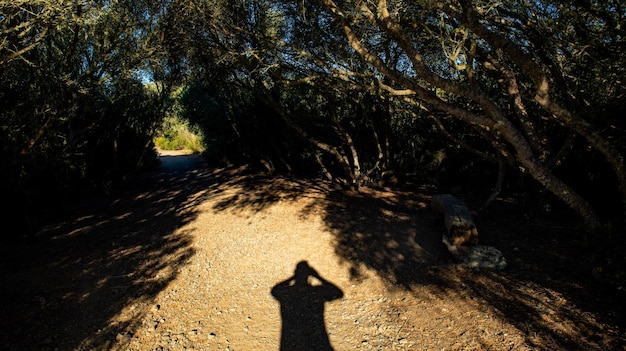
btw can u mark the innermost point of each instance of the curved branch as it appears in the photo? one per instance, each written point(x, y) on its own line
point(543, 95)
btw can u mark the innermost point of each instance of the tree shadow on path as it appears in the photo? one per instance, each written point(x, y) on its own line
point(545, 291)
point(85, 283)
point(302, 298)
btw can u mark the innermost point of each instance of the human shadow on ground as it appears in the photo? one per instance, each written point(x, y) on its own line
point(86, 281)
point(546, 292)
point(302, 298)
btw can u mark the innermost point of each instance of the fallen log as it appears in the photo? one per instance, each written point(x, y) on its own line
point(458, 220)
point(462, 236)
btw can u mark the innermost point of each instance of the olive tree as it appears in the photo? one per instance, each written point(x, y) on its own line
point(524, 78)
point(501, 67)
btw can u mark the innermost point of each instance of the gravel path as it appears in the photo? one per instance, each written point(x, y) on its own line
point(189, 258)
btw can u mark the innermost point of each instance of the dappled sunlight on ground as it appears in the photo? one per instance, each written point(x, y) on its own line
point(188, 258)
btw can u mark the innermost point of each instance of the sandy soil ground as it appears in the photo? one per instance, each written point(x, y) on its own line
point(199, 258)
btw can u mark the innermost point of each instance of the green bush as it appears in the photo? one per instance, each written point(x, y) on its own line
point(177, 134)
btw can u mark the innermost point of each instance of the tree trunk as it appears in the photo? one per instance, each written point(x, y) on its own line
point(545, 99)
point(497, 189)
point(332, 150)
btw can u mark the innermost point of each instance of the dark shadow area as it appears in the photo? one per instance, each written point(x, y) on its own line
point(86, 281)
point(379, 229)
point(302, 298)
point(547, 291)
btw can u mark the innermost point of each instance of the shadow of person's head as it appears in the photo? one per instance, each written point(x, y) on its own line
point(302, 273)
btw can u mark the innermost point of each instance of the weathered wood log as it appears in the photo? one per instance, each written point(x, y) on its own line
point(462, 236)
point(458, 220)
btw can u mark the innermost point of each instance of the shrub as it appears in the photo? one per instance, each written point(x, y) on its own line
point(177, 134)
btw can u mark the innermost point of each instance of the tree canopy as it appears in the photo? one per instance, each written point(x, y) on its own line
point(360, 92)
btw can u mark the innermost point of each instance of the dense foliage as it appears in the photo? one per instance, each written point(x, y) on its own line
point(75, 114)
point(531, 88)
point(511, 95)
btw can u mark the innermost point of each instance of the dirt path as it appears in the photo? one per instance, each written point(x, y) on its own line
point(201, 258)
